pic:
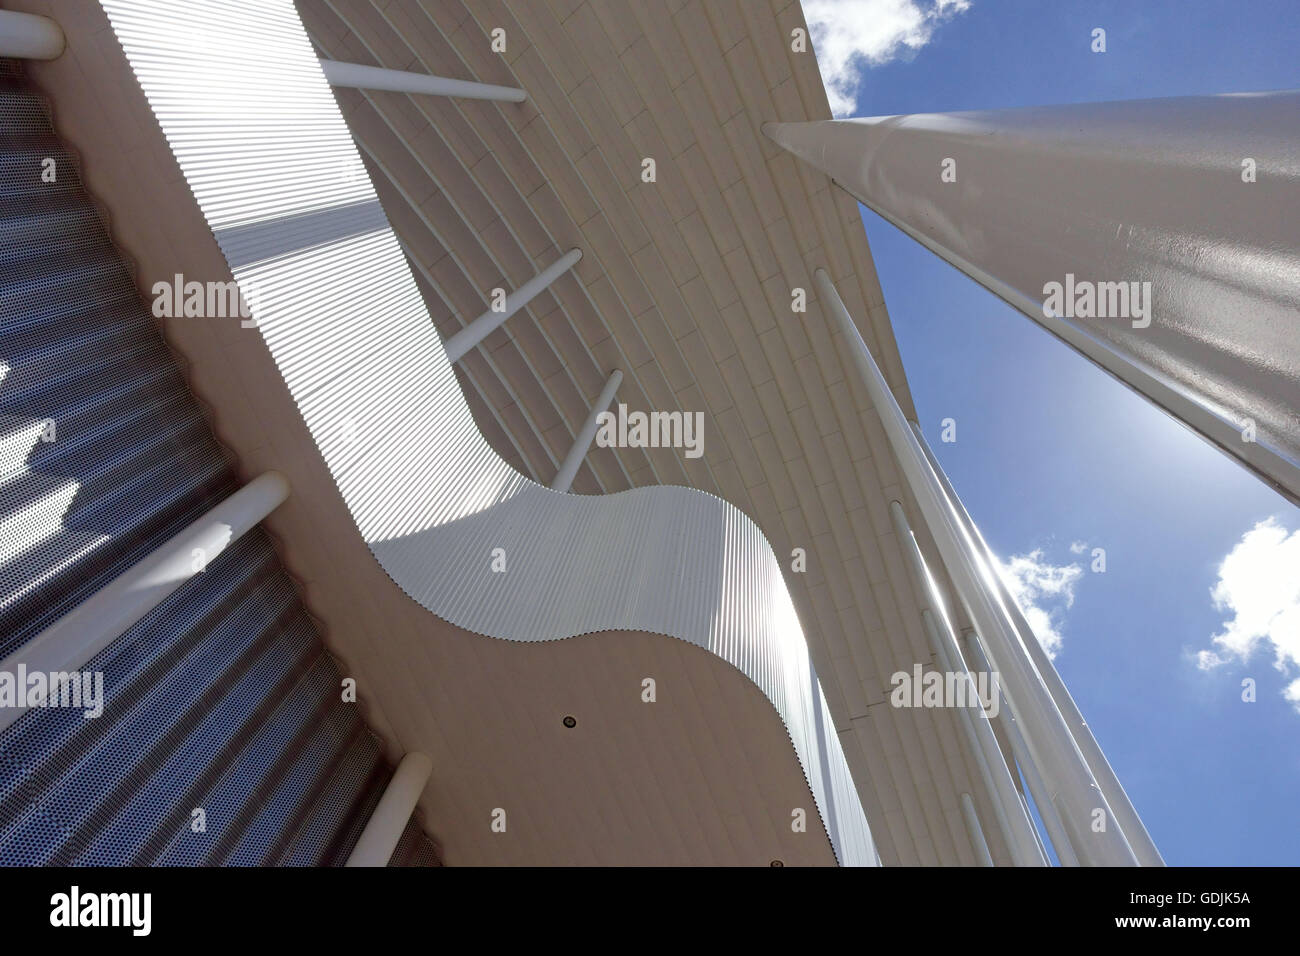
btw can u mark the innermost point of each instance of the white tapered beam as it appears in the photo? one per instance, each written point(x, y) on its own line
point(582, 441)
point(1013, 822)
point(978, 843)
point(74, 639)
point(1126, 814)
point(384, 829)
point(1080, 801)
point(1042, 847)
point(361, 77)
point(28, 36)
point(1046, 811)
point(487, 323)
point(1067, 211)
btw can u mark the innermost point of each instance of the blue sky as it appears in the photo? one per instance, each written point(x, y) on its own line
point(1051, 452)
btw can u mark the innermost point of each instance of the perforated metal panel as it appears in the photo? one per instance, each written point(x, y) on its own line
point(223, 699)
point(414, 849)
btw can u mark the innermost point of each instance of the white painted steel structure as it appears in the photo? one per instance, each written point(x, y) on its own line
point(1046, 810)
point(1073, 789)
point(74, 639)
point(978, 843)
point(340, 313)
point(384, 829)
point(1125, 813)
point(491, 320)
point(363, 77)
point(27, 36)
point(1014, 823)
point(1197, 196)
point(582, 441)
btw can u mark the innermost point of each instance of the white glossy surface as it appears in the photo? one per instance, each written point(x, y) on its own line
point(1074, 791)
point(1126, 814)
point(1139, 191)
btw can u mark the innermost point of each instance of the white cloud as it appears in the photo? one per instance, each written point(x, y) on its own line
point(846, 33)
point(1292, 693)
point(1259, 585)
point(1044, 592)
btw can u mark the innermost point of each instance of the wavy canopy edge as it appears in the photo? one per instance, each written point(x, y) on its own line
point(254, 126)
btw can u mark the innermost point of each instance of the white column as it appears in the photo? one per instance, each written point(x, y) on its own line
point(402, 81)
point(582, 441)
point(1015, 825)
point(980, 845)
point(1042, 847)
point(1125, 813)
point(1073, 788)
point(1065, 211)
point(1051, 819)
point(384, 829)
point(27, 36)
point(1013, 822)
point(487, 323)
point(74, 639)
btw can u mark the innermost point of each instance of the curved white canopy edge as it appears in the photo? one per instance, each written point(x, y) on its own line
point(240, 96)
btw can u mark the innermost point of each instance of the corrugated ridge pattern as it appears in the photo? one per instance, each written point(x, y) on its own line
point(685, 285)
point(223, 698)
point(256, 130)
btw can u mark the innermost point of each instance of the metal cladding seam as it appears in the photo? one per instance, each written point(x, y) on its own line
point(254, 125)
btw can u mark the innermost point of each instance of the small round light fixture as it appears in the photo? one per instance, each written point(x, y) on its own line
point(776, 863)
point(570, 722)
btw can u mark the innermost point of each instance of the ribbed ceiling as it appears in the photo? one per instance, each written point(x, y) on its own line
point(685, 285)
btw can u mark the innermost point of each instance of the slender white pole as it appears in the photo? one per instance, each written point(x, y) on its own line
point(1015, 825)
point(384, 829)
point(1046, 810)
point(582, 441)
point(1083, 806)
point(28, 36)
point(487, 323)
point(982, 855)
point(401, 81)
point(74, 639)
point(1126, 815)
point(1042, 847)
